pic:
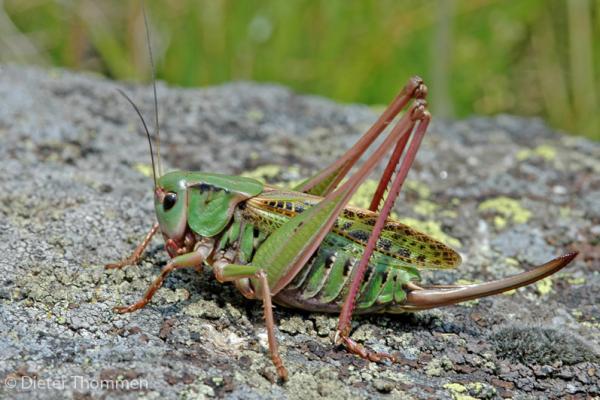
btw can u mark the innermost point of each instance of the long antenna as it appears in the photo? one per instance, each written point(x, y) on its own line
point(137, 110)
point(156, 126)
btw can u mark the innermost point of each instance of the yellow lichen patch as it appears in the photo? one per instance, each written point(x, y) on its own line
point(580, 280)
point(363, 195)
point(468, 303)
point(457, 391)
point(255, 115)
point(449, 213)
point(544, 151)
point(460, 391)
point(422, 190)
point(507, 208)
point(289, 184)
point(455, 387)
point(264, 172)
point(544, 286)
point(499, 222)
point(565, 212)
point(590, 324)
point(511, 261)
point(425, 207)
point(54, 73)
point(475, 387)
point(433, 229)
point(144, 169)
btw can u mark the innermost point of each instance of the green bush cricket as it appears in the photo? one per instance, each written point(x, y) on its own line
point(306, 248)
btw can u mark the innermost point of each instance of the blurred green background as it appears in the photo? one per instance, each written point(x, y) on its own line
point(534, 57)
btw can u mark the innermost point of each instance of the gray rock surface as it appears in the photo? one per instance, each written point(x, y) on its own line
point(508, 191)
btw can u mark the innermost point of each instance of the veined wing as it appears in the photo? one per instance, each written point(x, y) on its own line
point(403, 244)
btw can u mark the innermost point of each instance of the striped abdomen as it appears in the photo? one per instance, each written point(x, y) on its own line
point(323, 283)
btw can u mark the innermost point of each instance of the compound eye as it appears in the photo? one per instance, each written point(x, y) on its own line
point(169, 201)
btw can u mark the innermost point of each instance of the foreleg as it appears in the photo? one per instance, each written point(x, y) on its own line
point(137, 253)
point(192, 259)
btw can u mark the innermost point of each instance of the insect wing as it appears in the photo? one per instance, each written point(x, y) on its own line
point(403, 245)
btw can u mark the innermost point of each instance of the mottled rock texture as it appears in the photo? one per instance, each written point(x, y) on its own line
point(508, 192)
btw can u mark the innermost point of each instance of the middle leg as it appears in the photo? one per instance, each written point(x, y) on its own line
point(234, 272)
point(192, 259)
